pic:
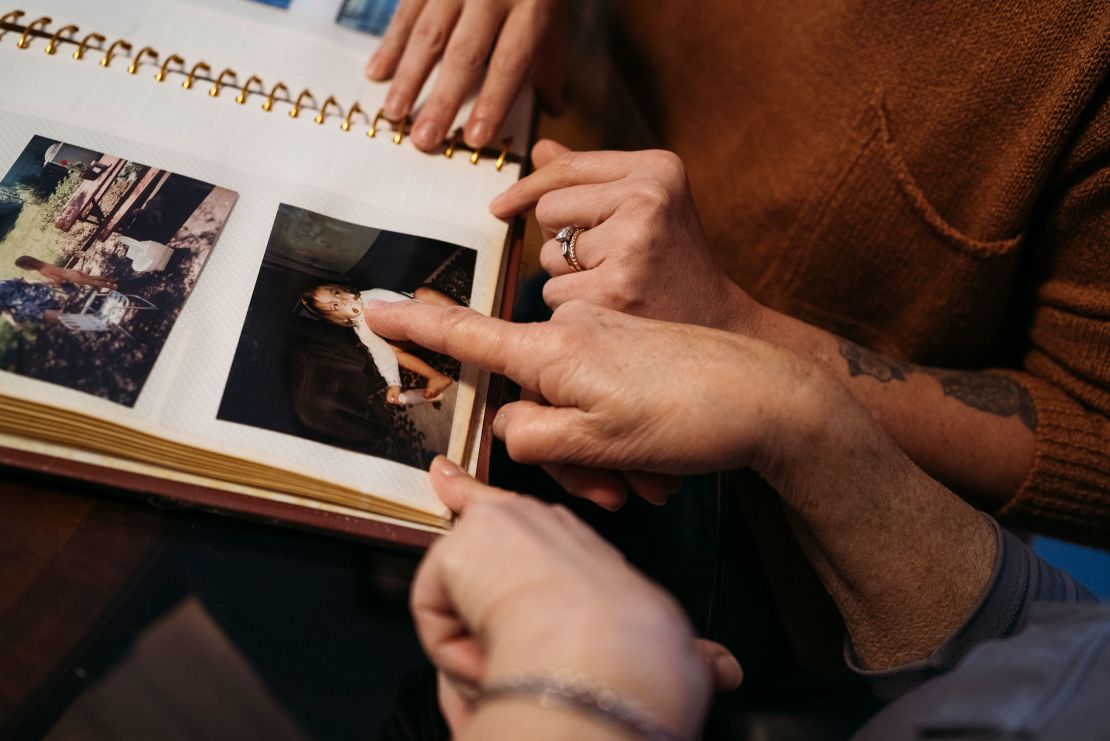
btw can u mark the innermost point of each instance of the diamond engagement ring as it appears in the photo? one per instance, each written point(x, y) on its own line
point(567, 236)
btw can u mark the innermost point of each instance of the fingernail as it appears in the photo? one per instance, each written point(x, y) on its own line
point(478, 133)
point(427, 134)
point(728, 669)
point(446, 467)
point(394, 106)
point(499, 423)
point(374, 68)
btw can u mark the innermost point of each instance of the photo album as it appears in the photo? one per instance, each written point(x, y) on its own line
point(197, 199)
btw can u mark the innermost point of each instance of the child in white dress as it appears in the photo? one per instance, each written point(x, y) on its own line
point(340, 305)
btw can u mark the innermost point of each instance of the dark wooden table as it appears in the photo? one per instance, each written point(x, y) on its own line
point(120, 619)
point(117, 617)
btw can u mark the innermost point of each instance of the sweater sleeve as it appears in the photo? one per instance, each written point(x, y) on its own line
point(1067, 368)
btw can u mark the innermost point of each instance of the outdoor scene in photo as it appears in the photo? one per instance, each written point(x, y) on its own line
point(97, 257)
point(308, 365)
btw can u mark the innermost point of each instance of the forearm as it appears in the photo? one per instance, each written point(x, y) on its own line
point(905, 560)
point(971, 430)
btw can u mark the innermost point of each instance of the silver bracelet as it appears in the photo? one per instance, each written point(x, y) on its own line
point(568, 690)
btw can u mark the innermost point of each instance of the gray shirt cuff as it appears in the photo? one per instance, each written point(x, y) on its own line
point(1020, 579)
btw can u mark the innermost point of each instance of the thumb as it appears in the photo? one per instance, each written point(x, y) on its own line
point(722, 665)
point(458, 489)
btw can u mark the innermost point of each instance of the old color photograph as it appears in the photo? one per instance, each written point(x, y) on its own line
point(98, 255)
point(307, 363)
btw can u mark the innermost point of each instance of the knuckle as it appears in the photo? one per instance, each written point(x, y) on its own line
point(510, 63)
point(622, 293)
point(552, 295)
point(465, 55)
point(549, 260)
point(546, 208)
point(430, 35)
point(573, 311)
point(567, 162)
point(667, 163)
point(652, 196)
point(641, 236)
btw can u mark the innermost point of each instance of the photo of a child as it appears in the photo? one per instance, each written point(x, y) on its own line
point(309, 365)
point(340, 305)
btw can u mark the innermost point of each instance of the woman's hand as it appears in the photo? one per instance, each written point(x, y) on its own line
point(644, 251)
point(521, 587)
point(521, 34)
point(628, 393)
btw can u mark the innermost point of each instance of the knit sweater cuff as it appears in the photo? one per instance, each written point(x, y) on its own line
point(1067, 490)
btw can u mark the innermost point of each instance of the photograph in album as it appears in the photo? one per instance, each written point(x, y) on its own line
point(98, 255)
point(308, 364)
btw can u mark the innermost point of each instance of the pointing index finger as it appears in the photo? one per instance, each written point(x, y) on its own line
point(493, 344)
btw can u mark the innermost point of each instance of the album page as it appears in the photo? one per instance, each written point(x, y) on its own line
point(177, 263)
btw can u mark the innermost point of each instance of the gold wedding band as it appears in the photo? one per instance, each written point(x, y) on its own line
point(568, 236)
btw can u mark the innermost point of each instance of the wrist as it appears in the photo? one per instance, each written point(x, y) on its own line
point(610, 713)
point(642, 653)
point(739, 313)
point(817, 423)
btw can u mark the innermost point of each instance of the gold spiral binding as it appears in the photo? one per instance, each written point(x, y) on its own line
point(241, 98)
point(505, 144)
point(52, 45)
point(269, 104)
point(192, 76)
point(219, 83)
point(399, 132)
point(399, 127)
point(228, 78)
point(117, 44)
point(138, 59)
point(378, 118)
point(11, 17)
point(29, 30)
point(354, 109)
point(84, 45)
point(171, 59)
point(453, 142)
point(323, 114)
point(296, 110)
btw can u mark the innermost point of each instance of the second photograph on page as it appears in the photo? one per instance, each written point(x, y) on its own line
point(308, 365)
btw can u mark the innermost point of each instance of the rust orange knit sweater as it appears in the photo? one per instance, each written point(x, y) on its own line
point(930, 179)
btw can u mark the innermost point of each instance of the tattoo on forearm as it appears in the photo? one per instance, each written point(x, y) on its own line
point(864, 362)
point(987, 393)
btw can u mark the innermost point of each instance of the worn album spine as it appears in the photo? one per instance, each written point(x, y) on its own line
point(92, 45)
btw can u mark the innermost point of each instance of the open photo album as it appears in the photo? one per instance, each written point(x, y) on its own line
point(190, 229)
